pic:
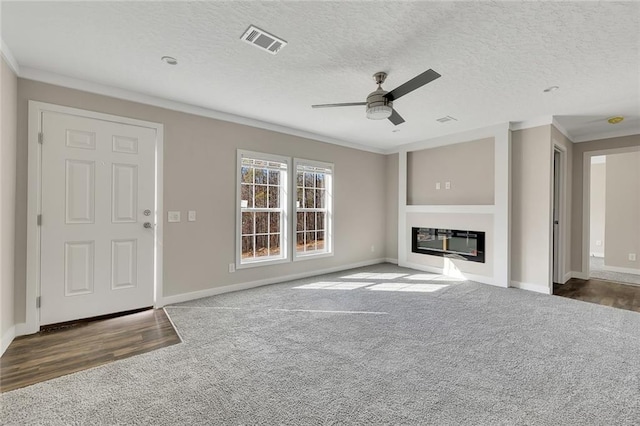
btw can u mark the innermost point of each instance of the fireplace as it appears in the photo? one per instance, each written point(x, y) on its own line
point(451, 243)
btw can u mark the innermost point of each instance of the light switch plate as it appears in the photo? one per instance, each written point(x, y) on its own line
point(447, 185)
point(192, 216)
point(437, 185)
point(632, 257)
point(173, 216)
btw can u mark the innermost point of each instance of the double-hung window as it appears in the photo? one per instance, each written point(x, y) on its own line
point(262, 209)
point(314, 189)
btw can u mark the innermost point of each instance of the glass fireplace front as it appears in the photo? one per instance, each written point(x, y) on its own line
point(452, 243)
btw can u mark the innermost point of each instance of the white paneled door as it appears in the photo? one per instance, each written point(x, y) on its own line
point(98, 210)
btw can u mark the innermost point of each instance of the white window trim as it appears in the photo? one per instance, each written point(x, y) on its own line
point(329, 229)
point(284, 239)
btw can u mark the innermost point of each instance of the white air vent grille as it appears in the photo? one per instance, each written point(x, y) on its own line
point(445, 119)
point(263, 40)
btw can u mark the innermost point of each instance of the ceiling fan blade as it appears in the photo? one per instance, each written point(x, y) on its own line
point(338, 105)
point(395, 118)
point(411, 85)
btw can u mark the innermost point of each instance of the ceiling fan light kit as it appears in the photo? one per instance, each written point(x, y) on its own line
point(379, 107)
point(380, 102)
point(379, 112)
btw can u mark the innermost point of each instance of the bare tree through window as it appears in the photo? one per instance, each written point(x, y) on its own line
point(313, 199)
point(262, 208)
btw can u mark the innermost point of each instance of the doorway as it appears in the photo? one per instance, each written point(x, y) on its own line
point(614, 216)
point(95, 214)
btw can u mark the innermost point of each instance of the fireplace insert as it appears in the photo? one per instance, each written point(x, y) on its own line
point(452, 243)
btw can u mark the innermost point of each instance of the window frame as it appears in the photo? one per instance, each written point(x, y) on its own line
point(284, 206)
point(329, 243)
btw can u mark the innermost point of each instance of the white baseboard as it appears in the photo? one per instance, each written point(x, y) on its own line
point(594, 254)
point(579, 275)
point(622, 270)
point(538, 288)
point(567, 277)
point(464, 275)
point(391, 260)
point(185, 297)
point(22, 329)
point(7, 338)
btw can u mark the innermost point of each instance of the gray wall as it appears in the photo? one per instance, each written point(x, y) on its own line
point(199, 174)
point(391, 234)
point(597, 209)
point(622, 227)
point(8, 92)
point(530, 209)
point(468, 166)
point(576, 201)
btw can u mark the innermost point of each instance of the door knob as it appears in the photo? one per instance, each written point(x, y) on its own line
point(147, 212)
point(147, 225)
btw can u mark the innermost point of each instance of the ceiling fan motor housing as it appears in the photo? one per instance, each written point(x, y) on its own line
point(379, 107)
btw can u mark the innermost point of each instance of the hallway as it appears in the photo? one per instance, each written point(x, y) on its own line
point(616, 295)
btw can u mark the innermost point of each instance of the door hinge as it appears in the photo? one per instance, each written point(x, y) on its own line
point(41, 138)
point(38, 302)
point(39, 220)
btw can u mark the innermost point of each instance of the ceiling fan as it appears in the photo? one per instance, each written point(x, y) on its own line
point(380, 102)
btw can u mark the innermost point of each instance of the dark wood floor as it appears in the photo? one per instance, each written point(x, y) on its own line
point(54, 353)
point(602, 292)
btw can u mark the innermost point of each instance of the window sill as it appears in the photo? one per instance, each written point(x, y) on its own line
point(257, 263)
point(297, 258)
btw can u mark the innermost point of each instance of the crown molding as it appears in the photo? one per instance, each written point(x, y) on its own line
point(562, 130)
point(608, 135)
point(9, 58)
point(128, 95)
point(528, 124)
point(453, 138)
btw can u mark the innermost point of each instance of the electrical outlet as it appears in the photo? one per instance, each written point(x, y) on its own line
point(192, 216)
point(632, 257)
point(437, 185)
point(373, 248)
point(447, 185)
point(232, 267)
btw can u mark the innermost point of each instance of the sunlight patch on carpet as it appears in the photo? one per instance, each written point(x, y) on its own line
point(421, 288)
point(374, 276)
point(333, 285)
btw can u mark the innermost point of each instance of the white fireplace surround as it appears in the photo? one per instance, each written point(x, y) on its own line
point(494, 219)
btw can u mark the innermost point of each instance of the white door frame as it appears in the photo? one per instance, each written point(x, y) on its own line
point(586, 203)
point(34, 197)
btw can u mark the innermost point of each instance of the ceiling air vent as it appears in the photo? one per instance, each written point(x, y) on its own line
point(263, 40)
point(446, 119)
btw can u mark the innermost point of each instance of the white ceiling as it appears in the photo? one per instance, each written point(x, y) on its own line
point(495, 59)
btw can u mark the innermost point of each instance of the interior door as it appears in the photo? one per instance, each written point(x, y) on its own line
point(98, 193)
point(557, 188)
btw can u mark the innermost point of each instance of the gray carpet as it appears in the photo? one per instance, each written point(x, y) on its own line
point(410, 349)
point(597, 270)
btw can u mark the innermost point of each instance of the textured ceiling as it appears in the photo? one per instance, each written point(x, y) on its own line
point(495, 59)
